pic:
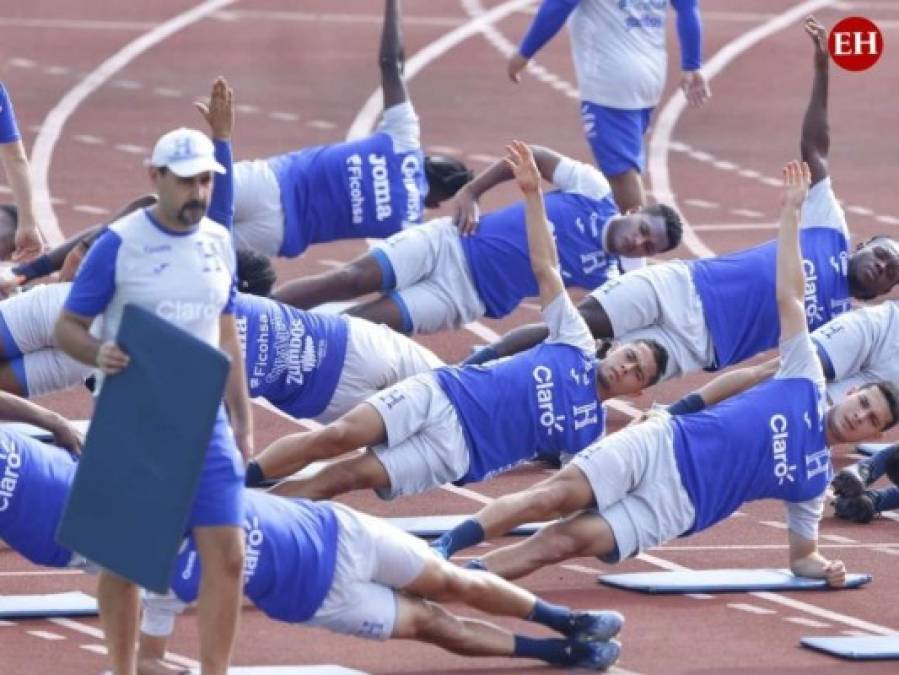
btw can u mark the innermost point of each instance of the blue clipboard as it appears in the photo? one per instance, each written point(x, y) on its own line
point(144, 451)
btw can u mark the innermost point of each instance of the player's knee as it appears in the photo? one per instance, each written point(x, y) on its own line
point(555, 544)
point(596, 318)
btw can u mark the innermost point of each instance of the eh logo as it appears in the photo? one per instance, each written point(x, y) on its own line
point(855, 43)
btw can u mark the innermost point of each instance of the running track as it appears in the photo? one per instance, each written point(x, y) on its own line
point(95, 83)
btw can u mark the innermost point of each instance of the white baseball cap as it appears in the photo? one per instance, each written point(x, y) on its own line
point(186, 153)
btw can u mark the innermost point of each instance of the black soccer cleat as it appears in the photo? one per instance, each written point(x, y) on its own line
point(852, 481)
point(860, 509)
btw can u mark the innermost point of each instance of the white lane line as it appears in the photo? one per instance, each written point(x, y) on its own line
point(444, 150)
point(748, 213)
point(751, 609)
point(284, 116)
point(367, 115)
point(701, 203)
point(4, 623)
point(96, 649)
point(837, 539)
point(37, 573)
point(74, 24)
point(21, 63)
point(670, 113)
point(734, 227)
point(87, 139)
point(323, 17)
point(129, 85)
point(56, 70)
point(321, 124)
point(46, 635)
point(132, 149)
point(93, 210)
point(246, 109)
point(777, 524)
point(700, 596)
point(168, 92)
point(804, 621)
point(51, 129)
point(774, 547)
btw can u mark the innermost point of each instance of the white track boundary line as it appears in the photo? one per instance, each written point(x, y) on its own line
point(51, 128)
point(660, 142)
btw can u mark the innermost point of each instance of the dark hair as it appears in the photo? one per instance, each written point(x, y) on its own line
point(892, 463)
point(674, 227)
point(446, 175)
point(255, 274)
point(891, 393)
point(13, 212)
point(660, 355)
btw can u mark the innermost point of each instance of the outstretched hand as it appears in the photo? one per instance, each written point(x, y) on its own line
point(219, 111)
point(514, 66)
point(521, 160)
point(797, 178)
point(818, 34)
point(695, 87)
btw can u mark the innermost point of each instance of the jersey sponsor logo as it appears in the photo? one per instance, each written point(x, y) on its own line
point(354, 179)
point(782, 470)
point(814, 313)
point(255, 538)
point(381, 184)
point(10, 479)
point(180, 311)
point(543, 376)
point(644, 13)
point(161, 248)
point(411, 169)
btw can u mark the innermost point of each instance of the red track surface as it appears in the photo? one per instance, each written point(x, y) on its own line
point(322, 71)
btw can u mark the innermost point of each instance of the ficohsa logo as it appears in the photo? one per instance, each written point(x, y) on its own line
point(855, 43)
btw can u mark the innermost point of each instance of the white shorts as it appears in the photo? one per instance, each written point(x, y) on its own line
point(637, 486)
point(31, 316)
point(258, 215)
point(425, 443)
point(432, 276)
point(373, 559)
point(660, 302)
point(51, 370)
point(376, 357)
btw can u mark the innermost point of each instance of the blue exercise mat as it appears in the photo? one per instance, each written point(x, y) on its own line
point(870, 449)
point(722, 581)
point(144, 451)
point(856, 648)
point(434, 526)
point(75, 603)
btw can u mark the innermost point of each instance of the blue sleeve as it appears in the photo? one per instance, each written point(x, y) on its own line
point(94, 285)
point(550, 18)
point(826, 363)
point(221, 206)
point(689, 33)
point(9, 130)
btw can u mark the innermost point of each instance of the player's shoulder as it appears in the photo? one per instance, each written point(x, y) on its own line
point(129, 224)
point(213, 230)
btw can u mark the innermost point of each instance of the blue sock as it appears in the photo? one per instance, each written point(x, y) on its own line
point(482, 355)
point(467, 533)
point(557, 617)
point(878, 463)
point(886, 499)
point(557, 651)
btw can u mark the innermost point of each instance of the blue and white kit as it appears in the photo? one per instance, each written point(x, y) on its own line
point(672, 477)
point(467, 424)
point(440, 280)
point(713, 312)
point(371, 187)
point(318, 563)
point(620, 60)
point(185, 278)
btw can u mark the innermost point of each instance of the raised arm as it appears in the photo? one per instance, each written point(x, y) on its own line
point(219, 115)
point(724, 386)
point(465, 203)
point(815, 143)
point(549, 19)
point(689, 33)
point(541, 244)
point(790, 278)
point(391, 58)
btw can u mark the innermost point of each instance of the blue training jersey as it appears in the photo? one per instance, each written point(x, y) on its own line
point(34, 485)
point(498, 252)
point(348, 190)
point(540, 402)
point(738, 292)
point(9, 130)
point(767, 442)
point(293, 358)
point(291, 551)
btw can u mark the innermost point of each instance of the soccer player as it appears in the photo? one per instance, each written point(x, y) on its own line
point(325, 564)
point(468, 424)
point(176, 263)
point(445, 274)
point(371, 187)
point(620, 62)
point(714, 312)
point(674, 476)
